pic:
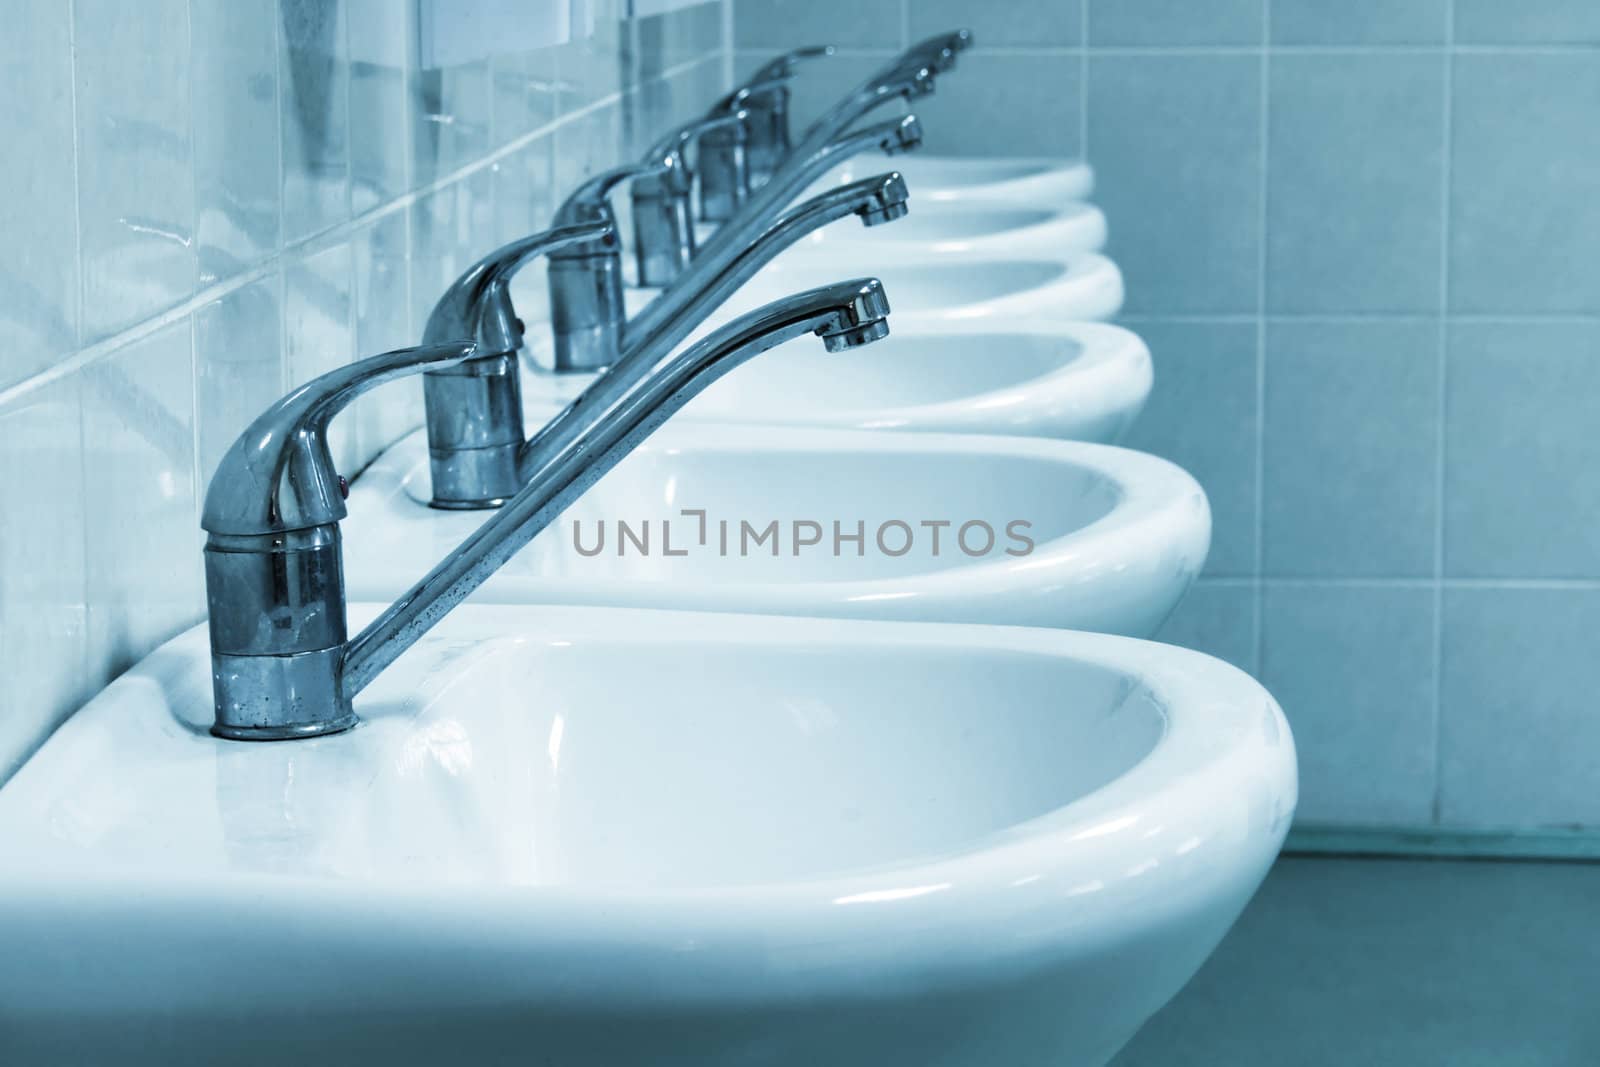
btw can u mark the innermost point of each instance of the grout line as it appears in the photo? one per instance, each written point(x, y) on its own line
point(1264, 100)
point(1083, 80)
point(1441, 369)
point(84, 649)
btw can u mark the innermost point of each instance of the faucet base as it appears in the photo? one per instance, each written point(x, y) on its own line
point(286, 731)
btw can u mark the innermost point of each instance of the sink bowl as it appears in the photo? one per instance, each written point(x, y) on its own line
point(1076, 381)
point(602, 837)
point(1116, 536)
point(1086, 286)
point(951, 179)
point(988, 229)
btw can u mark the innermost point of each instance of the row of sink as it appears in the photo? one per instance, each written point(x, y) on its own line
point(812, 724)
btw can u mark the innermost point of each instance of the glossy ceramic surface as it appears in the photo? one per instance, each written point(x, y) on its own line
point(1117, 535)
point(1077, 381)
point(942, 180)
point(645, 838)
point(985, 229)
point(1085, 286)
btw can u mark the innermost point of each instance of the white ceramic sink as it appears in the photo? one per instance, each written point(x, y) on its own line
point(1085, 286)
point(1117, 536)
point(948, 180)
point(1076, 381)
point(986, 229)
point(585, 836)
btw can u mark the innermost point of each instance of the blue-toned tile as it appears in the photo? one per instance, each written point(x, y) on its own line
point(237, 209)
point(1202, 415)
point(451, 229)
point(38, 207)
point(656, 44)
point(1521, 496)
point(1028, 23)
point(381, 38)
point(143, 540)
point(1176, 145)
point(1525, 164)
point(319, 333)
point(523, 191)
point(995, 108)
point(1351, 449)
point(1217, 619)
point(238, 362)
point(1356, 183)
point(589, 67)
point(1353, 668)
point(383, 323)
point(314, 95)
point(522, 93)
point(454, 115)
point(1518, 731)
point(135, 164)
point(43, 606)
point(779, 25)
point(1155, 23)
point(1527, 22)
point(1358, 22)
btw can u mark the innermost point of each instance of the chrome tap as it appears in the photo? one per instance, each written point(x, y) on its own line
point(474, 408)
point(283, 665)
point(586, 284)
point(663, 210)
point(768, 123)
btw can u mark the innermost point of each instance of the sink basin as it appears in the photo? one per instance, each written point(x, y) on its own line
point(1086, 286)
point(614, 837)
point(988, 229)
point(1117, 535)
point(953, 179)
point(1076, 381)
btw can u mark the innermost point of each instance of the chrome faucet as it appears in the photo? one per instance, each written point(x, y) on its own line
point(663, 209)
point(592, 331)
point(768, 123)
point(474, 407)
point(283, 665)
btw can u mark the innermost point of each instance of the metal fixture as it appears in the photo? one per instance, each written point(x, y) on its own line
point(663, 208)
point(592, 331)
point(283, 665)
point(768, 123)
point(474, 408)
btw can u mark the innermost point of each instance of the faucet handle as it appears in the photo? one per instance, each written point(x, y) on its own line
point(478, 304)
point(784, 65)
point(279, 475)
point(588, 203)
point(938, 51)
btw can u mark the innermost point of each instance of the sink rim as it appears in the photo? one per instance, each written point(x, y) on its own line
point(1155, 497)
point(1207, 806)
point(1110, 372)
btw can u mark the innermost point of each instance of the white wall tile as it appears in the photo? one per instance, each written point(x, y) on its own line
point(143, 540)
point(38, 208)
point(136, 203)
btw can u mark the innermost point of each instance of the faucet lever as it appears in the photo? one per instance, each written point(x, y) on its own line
point(785, 64)
point(273, 558)
point(474, 409)
point(588, 201)
point(663, 214)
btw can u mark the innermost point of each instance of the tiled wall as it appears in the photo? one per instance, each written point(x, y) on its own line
point(1363, 240)
point(205, 202)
